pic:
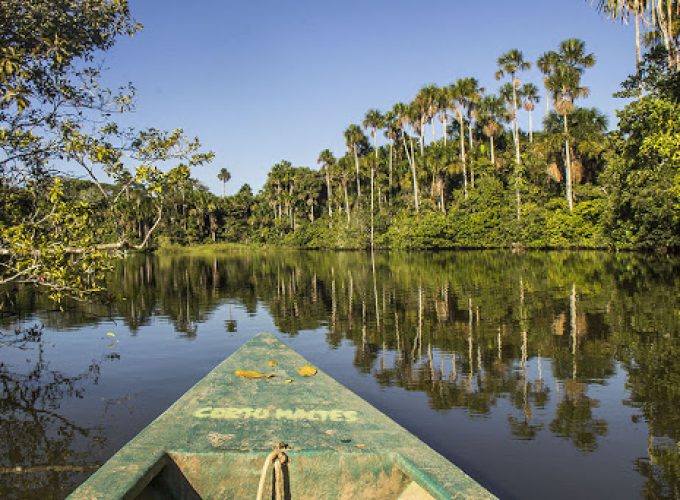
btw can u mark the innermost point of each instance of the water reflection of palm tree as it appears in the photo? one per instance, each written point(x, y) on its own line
point(230, 324)
point(574, 418)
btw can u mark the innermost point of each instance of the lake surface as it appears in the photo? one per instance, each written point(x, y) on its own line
point(540, 374)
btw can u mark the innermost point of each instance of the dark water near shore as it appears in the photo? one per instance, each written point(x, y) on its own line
point(542, 375)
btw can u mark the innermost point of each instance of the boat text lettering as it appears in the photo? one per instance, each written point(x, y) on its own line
point(277, 413)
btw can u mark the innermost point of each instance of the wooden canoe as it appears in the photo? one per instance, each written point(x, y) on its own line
point(214, 441)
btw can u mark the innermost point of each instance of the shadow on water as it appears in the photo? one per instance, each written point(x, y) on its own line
point(575, 355)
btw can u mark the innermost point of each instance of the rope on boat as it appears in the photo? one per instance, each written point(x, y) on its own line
point(277, 457)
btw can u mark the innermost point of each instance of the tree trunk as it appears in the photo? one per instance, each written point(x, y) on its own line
point(413, 171)
point(567, 168)
point(638, 54)
point(493, 153)
point(462, 156)
point(531, 126)
point(517, 155)
point(356, 165)
point(389, 191)
point(441, 197)
point(372, 175)
point(330, 193)
point(444, 126)
point(344, 187)
point(415, 180)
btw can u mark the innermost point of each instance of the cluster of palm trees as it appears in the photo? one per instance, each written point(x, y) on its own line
point(292, 189)
point(462, 112)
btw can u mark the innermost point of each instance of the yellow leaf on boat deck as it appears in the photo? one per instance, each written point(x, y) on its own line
point(253, 374)
point(307, 371)
point(272, 363)
point(110, 334)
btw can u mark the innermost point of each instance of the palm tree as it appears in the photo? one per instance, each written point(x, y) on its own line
point(491, 114)
point(573, 54)
point(429, 97)
point(655, 13)
point(343, 174)
point(510, 64)
point(391, 133)
point(373, 120)
point(443, 106)
point(402, 113)
point(545, 64)
point(565, 85)
point(419, 109)
point(224, 176)
point(622, 9)
point(474, 95)
point(587, 138)
point(530, 97)
point(327, 160)
point(353, 137)
point(464, 92)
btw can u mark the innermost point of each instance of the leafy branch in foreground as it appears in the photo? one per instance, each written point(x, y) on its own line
point(54, 114)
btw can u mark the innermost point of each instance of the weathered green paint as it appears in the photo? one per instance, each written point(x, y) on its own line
point(212, 442)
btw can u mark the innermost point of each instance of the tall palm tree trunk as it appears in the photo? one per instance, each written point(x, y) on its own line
point(389, 191)
point(444, 120)
point(372, 175)
point(517, 155)
point(567, 168)
point(472, 168)
point(330, 192)
point(356, 165)
point(411, 162)
point(638, 53)
point(462, 156)
point(531, 126)
point(493, 152)
point(344, 187)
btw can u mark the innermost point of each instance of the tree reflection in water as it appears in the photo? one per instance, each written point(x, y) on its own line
point(43, 452)
point(531, 335)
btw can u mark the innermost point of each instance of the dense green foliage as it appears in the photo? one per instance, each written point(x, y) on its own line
point(454, 169)
point(56, 232)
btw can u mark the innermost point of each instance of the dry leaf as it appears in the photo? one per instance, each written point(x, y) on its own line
point(360, 445)
point(110, 334)
point(272, 363)
point(288, 381)
point(307, 371)
point(252, 374)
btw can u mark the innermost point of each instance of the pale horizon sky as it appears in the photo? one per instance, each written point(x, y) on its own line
point(262, 81)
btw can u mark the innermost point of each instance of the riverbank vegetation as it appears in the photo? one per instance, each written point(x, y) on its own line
point(452, 168)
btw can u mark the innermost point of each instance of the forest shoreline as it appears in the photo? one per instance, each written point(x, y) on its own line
point(210, 248)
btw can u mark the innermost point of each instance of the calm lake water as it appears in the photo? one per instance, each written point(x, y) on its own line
point(542, 375)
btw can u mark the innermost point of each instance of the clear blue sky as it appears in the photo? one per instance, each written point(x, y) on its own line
point(260, 81)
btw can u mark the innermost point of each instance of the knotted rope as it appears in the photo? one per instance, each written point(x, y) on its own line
point(278, 458)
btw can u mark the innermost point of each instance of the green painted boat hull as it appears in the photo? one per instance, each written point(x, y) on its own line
point(213, 441)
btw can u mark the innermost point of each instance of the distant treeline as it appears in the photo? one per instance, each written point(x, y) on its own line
point(453, 169)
